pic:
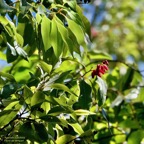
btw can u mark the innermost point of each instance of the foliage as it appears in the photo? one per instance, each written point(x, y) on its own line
point(47, 93)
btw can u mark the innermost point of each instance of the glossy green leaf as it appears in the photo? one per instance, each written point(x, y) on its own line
point(27, 94)
point(62, 87)
point(136, 137)
point(83, 112)
point(46, 67)
point(78, 32)
point(65, 139)
point(84, 19)
point(128, 123)
point(98, 55)
point(140, 95)
point(56, 39)
point(46, 28)
point(7, 116)
point(9, 113)
point(76, 18)
point(76, 45)
point(77, 128)
point(37, 98)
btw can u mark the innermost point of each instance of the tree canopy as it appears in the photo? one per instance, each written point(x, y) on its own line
point(67, 80)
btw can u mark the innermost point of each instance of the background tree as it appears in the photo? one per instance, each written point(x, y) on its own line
point(56, 86)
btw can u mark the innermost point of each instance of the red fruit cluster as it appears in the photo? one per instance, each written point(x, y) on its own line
point(101, 69)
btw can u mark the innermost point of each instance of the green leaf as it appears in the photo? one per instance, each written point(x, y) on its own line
point(85, 95)
point(136, 137)
point(66, 36)
point(46, 28)
point(18, 40)
point(102, 91)
point(26, 130)
point(27, 93)
point(76, 18)
point(41, 132)
point(65, 139)
point(85, 21)
point(78, 32)
point(57, 110)
point(39, 19)
point(77, 128)
point(71, 4)
point(62, 87)
point(46, 67)
point(37, 98)
point(83, 112)
point(41, 9)
point(49, 118)
point(128, 123)
point(140, 97)
point(8, 76)
point(3, 20)
point(87, 136)
point(76, 46)
point(9, 113)
point(98, 55)
point(56, 39)
point(6, 116)
point(10, 57)
point(8, 89)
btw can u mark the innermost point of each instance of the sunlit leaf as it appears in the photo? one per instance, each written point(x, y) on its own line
point(65, 139)
point(77, 128)
point(46, 67)
point(78, 32)
point(136, 136)
point(56, 39)
point(37, 98)
point(83, 112)
point(62, 87)
point(46, 28)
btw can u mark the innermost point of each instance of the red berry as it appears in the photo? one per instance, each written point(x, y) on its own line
point(105, 67)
